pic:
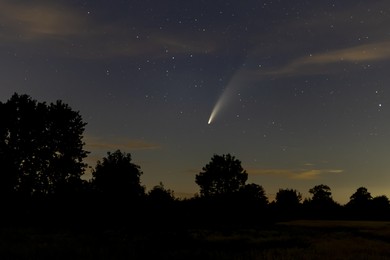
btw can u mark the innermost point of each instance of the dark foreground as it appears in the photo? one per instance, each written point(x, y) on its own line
point(289, 240)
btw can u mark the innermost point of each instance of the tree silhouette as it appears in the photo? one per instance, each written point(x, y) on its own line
point(116, 176)
point(380, 207)
point(223, 175)
point(287, 205)
point(360, 199)
point(321, 205)
point(361, 206)
point(253, 197)
point(41, 146)
point(161, 208)
point(8, 168)
point(321, 195)
point(381, 202)
point(65, 138)
point(253, 194)
point(288, 199)
point(160, 195)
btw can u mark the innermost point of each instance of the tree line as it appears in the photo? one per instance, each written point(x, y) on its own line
point(42, 161)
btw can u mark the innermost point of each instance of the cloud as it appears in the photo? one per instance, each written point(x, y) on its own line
point(188, 43)
point(335, 171)
point(361, 33)
point(33, 21)
point(65, 31)
point(307, 175)
point(155, 45)
point(308, 164)
point(297, 174)
point(95, 144)
point(314, 63)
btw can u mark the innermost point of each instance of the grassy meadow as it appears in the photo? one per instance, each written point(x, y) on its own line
point(288, 240)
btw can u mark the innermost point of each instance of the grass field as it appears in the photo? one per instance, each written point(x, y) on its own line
point(289, 240)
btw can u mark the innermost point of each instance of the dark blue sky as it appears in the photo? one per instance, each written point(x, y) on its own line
point(302, 87)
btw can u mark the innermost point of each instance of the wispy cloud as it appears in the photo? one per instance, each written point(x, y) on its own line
point(155, 45)
point(297, 174)
point(314, 63)
point(32, 21)
point(42, 22)
point(95, 144)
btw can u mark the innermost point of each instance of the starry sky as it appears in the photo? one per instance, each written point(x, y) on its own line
point(297, 90)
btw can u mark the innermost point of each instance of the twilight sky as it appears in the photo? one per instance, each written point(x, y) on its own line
point(297, 90)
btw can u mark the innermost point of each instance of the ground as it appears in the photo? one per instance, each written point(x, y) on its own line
point(288, 240)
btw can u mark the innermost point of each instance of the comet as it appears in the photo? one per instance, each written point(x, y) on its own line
point(226, 96)
point(221, 101)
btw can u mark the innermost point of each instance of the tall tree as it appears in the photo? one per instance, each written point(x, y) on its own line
point(381, 202)
point(381, 207)
point(361, 198)
point(65, 138)
point(321, 204)
point(362, 206)
point(41, 145)
point(8, 169)
point(253, 194)
point(288, 198)
point(223, 175)
point(116, 176)
point(287, 205)
point(321, 194)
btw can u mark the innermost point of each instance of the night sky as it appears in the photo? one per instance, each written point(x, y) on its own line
point(297, 90)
